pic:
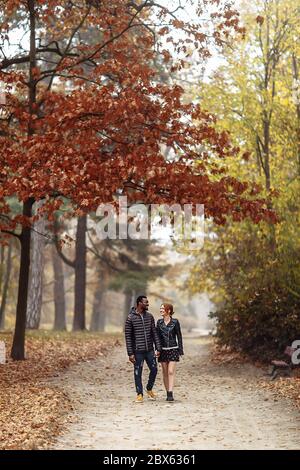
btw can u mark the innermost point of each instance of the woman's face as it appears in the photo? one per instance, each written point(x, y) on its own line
point(162, 311)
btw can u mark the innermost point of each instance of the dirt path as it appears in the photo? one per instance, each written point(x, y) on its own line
point(216, 407)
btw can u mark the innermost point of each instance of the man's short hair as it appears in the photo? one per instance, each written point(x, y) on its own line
point(140, 298)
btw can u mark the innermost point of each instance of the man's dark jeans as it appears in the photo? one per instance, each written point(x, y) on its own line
point(150, 359)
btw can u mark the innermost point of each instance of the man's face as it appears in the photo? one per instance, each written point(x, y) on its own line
point(144, 303)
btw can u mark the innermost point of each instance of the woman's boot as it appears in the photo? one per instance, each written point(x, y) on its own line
point(170, 396)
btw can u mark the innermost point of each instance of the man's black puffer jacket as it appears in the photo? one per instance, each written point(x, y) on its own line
point(170, 334)
point(140, 333)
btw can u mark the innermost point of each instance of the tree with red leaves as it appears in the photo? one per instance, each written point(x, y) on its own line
point(85, 116)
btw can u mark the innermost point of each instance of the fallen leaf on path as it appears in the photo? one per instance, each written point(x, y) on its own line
point(33, 412)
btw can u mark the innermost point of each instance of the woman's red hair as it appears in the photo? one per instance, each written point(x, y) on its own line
point(168, 308)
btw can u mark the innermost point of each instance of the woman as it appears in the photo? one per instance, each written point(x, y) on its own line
point(171, 341)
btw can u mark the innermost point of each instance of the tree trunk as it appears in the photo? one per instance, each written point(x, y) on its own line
point(269, 89)
point(59, 292)
point(266, 127)
point(129, 302)
point(2, 264)
point(18, 346)
point(80, 275)
point(98, 313)
point(2, 274)
point(5, 286)
point(35, 294)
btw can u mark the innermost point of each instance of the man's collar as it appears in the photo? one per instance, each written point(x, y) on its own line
point(141, 313)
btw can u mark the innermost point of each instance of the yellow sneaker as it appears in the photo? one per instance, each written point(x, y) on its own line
point(151, 395)
point(139, 398)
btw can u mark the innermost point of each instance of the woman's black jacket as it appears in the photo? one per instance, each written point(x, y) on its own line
point(170, 334)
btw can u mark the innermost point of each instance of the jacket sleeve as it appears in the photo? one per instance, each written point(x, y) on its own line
point(129, 336)
point(159, 334)
point(179, 338)
point(155, 335)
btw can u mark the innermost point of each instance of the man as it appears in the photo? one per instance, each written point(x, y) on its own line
point(140, 334)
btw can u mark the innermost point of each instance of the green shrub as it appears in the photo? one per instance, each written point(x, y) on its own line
point(262, 326)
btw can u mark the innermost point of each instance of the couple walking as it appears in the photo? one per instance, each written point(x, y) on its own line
point(141, 334)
